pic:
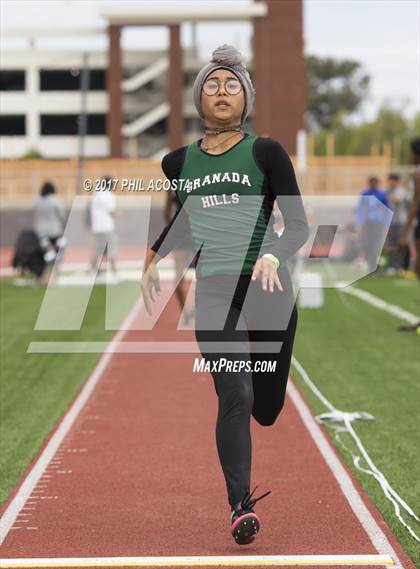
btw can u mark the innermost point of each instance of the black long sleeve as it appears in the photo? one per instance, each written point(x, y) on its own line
point(179, 226)
point(280, 185)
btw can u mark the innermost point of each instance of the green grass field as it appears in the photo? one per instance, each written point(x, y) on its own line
point(360, 362)
point(350, 349)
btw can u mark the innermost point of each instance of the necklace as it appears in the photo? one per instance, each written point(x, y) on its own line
point(210, 130)
point(219, 143)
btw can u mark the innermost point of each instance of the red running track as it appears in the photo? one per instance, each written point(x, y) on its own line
point(138, 474)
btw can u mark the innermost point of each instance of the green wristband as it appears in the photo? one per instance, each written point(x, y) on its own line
point(272, 258)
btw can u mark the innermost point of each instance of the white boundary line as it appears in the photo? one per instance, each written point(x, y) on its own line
point(203, 561)
point(368, 522)
point(370, 298)
point(9, 516)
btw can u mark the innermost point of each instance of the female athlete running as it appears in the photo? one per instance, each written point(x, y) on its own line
point(227, 183)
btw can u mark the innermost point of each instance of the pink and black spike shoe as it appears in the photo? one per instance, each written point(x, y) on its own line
point(245, 522)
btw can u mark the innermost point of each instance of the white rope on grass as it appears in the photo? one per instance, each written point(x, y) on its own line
point(379, 303)
point(346, 418)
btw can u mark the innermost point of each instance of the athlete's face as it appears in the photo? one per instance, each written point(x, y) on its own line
point(226, 105)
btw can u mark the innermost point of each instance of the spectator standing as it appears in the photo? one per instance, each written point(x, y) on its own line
point(102, 208)
point(413, 217)
point(372, 220)
point(49, 220)
point(398, 197)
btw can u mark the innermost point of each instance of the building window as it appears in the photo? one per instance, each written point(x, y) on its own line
point(97, 80)
point(12, 125)
point(59, 125)
point(12, 80)
point(69, 79)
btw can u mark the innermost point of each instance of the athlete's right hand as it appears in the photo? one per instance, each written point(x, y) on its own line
point(150, 283)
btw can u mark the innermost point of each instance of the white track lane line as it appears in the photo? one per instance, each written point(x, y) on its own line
point(381, 304)
point(375, 533)
point(204, 561)
point(37, 472)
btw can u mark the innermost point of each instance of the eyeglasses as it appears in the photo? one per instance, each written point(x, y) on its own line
point(212, 86)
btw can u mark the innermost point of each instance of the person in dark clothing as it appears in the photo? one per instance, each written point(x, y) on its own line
point(29, 255)
point(226, 185)
point(413, 216)
point(398, 197)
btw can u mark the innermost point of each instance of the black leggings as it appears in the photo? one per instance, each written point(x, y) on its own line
point(263, 318)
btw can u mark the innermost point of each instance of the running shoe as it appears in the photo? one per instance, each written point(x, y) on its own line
point(245, 523)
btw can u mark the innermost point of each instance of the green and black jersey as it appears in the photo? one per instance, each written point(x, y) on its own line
point(226, 201)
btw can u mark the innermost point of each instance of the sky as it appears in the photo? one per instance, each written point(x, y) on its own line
point(383, 35)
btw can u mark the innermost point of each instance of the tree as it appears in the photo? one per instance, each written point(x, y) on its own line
point(390, 125)
point(333, 87)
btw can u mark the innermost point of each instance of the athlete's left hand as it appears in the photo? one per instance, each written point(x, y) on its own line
point(266, 270)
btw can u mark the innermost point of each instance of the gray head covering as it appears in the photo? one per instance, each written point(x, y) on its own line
point(225, 57)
